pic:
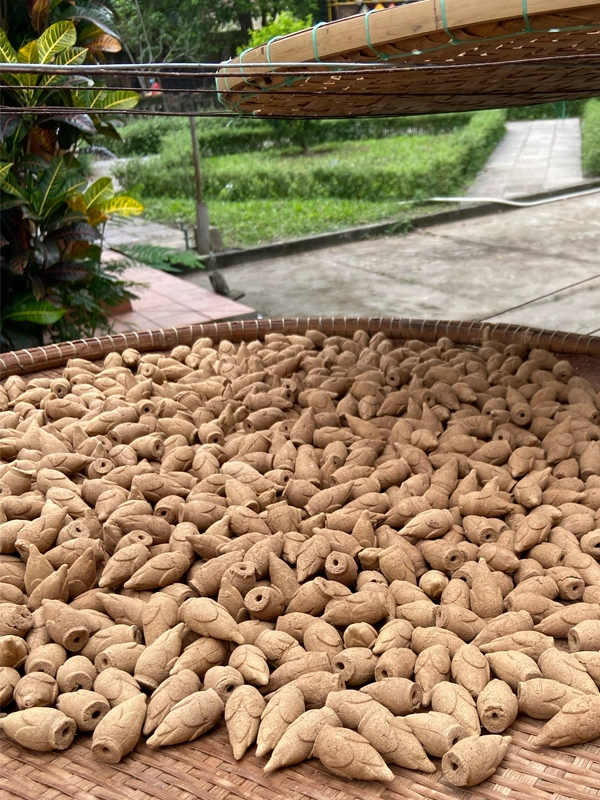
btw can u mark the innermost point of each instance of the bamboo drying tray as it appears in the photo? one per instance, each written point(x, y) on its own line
point(471, 55)
point(205, 769)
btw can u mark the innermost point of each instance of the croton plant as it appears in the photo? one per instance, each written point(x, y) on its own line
point(54, 283)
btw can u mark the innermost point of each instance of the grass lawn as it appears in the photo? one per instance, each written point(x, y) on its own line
point(253, 222)
point(283, 194)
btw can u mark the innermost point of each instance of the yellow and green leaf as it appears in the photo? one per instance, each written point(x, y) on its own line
point(55, 40)
point(122, 205)
point(4, 170)
point(98, 192)
point(7, 51)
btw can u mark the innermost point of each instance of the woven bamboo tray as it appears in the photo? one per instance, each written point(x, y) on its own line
point(205, 769)
point(471, 54)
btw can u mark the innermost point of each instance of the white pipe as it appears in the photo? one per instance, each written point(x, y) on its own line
point(502, 201)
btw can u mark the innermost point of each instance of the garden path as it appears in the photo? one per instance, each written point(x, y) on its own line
point(482, 268)
point(538, 156)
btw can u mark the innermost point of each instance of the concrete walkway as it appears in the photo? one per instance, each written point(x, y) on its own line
point(538, 156)
point(483, 268)
point(476, 269)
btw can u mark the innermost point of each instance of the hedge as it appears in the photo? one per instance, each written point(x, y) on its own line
point(401, 168)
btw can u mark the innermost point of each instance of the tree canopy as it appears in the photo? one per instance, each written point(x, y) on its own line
point(197, 30)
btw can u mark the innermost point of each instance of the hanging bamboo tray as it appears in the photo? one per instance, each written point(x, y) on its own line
point(423, 57)
point(205, 768)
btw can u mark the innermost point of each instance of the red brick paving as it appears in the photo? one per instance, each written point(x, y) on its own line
point(166, 301)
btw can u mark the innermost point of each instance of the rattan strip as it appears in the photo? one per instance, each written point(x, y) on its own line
point(442, 33)
point(21, 362)
point(205, 769)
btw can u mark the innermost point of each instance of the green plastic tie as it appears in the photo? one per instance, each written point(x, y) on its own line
point(314, 40)
point(528, 27)
point(451, 36)
point(378, 53)
point(268, 49)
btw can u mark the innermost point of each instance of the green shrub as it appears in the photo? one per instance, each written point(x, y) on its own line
point(150, 135)
point(392, 168)
point(590, 132)
point(560, 110)
point(144, 136)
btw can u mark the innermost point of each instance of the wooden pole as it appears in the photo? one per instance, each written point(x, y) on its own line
point(202, 222)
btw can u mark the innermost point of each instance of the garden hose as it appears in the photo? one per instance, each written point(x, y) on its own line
point(503, 201)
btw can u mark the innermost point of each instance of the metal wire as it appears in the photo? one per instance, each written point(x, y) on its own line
point(296, 68)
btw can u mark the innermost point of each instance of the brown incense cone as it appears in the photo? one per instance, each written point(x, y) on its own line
point(76, 673)
point(322, 637)
point(208, 618)
point(224, 680)
point(397, 633)
point(117, 686)
point(9, 678)
point(46, 658)
point(356, 665)
point(474, 759)
point(123, 564)
point(359, 634)
point(566, 669)
point(497, 706)
point(363, 606)
point(160, 570)
point(156, 661)
point(35, 689)
point(119, 731)
point(513, 667)
point(471, 669)
point(571, 585)
point(242, 715)
point(433, 583)
point(347, 753)
point(188, 719)
point(398, 662)
point(106, 637)
point(279, 646)
point(304, 664)
point(13, 651)
point(53, 587)
point(504, 625)
point(532, 643)
point(542, 698)
point(486, 596)
point(399, 695)
point(251, 663)
point(350, 706)
point(126, 608)
point(436, 731)
point(84, 707)
point(283, 708)
point(393, 740)
point(449, 698)
point(122, 656)
point(431, 667)
point(560, 622)
point(585, 636)
point(591, 661)
point(456, 593)
point(578, 721)
point(168, 694)
point(297, 741)
point(423, 638)
point(461, 621)
point(420, 613)
point(42, 729)
point(265, 603)
point(159, 615)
